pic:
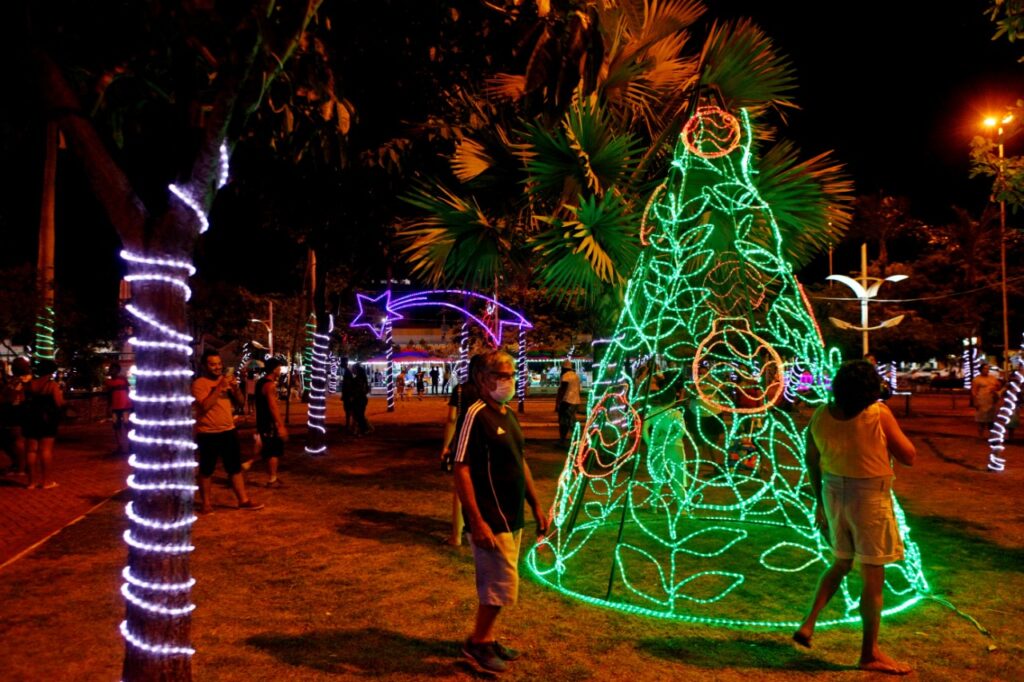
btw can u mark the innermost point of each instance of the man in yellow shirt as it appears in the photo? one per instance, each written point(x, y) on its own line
point(214, 392)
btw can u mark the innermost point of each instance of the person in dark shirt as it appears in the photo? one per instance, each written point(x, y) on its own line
point(493, 481)
point(269, 424)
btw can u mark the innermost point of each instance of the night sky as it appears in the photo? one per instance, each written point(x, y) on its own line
point(895, 88)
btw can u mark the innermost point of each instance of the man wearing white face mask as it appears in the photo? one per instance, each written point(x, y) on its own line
point(493, 481)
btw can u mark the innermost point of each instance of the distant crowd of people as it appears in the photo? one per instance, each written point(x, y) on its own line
point(852, 443)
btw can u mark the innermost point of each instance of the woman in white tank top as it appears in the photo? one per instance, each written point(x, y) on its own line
point(849, 445)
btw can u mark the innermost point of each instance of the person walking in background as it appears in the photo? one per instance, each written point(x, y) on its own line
point(849, 445)
point(215, 392)
point(250, 390)
point(13, 389)
point(462, 396)
point(120, 405)
point(347, 384)
point(43, 403)
point(567, 401)
point(360, 391)
point(985, 392)
point(435, 380)
point(493, 480)
point(269, 423)
point(420, 384)
point(400, 384)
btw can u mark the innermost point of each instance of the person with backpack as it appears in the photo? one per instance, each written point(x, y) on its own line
point(41, 414)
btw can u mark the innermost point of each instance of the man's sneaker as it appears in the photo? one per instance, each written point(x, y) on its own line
point(506, 653)
point(276, 483)
point(484, 656)
point(249, 505)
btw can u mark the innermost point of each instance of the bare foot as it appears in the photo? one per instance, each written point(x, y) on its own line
point(803, 637)
point(883, 664)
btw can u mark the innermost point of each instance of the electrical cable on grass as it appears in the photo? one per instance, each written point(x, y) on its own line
point(952, 607)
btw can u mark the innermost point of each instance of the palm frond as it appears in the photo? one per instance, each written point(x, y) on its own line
point(584, 155)
point(470, 159)
point(595, 248)
point(742, 64)
point(811, 200)
point(506, 86)
point(455, 242)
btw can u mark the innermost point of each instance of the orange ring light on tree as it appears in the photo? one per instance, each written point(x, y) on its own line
point(711, 133)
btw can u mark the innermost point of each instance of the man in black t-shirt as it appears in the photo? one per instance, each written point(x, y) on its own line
point(269, 424)
point(493, 481)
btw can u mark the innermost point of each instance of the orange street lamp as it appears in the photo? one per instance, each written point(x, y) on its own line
point(998, 123)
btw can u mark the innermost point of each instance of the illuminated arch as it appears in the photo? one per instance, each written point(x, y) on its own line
point(378, 313)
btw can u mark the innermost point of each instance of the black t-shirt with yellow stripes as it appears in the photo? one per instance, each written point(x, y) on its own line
point(491, 443)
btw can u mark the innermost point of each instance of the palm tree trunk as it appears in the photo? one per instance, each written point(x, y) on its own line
point(43, 348)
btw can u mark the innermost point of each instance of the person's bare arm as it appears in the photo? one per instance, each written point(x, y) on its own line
point(531, 499)
point(449, 431)
point(812, 460)
point(483, 536)
point(270, 393)
point(58, 395)
point(207, 402)
point(899, 445)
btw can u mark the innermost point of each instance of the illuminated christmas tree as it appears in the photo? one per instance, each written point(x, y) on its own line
point(684, 494)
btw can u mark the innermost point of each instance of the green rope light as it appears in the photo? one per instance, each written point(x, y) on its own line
point(684, 495)
point(45, 348)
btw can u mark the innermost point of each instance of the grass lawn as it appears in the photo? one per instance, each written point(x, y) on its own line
point(345, 576)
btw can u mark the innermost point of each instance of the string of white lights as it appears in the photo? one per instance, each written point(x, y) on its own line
point(140, 398)
point(162, 486)
point(186, 197)
point(173, 280)
point(464, 353)
point(135, 462)
point(180, 548)
point(187, 444)
point(1006, 412)
point(159, 649)
point(389, 358)
point(523, 374)
point(161, 374)
point(153, 607)
point(159, 325)
point(135, 419)
point(316, 409)
point(157, 587)
point(142, 521)
point(225, 167)
point(166, 345)
point(164, 423)
point(159, 262)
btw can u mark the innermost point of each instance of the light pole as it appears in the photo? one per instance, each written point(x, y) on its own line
point(865, 288)
point(992, 122)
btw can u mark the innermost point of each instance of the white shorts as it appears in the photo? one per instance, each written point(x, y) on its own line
point(861, 521)
point(497, 570)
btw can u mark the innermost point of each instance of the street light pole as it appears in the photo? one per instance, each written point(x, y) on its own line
point(1000, 187)
point(1002, 262)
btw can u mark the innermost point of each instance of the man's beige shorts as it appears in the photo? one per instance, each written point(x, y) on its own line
point(861, 521)
point(497, 570)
